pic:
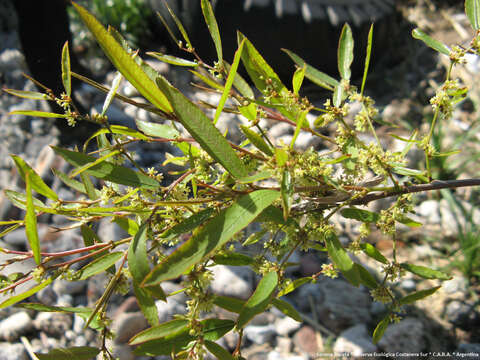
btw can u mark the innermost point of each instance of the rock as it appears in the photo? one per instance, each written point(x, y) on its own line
point(284, 345)
point(54, 324)
point(338, 304)
point(457, 284)
point(127, 324)
point(306, 341)
point(275, 355)
point(232, 281)
point(355, 341)
point(62, 287)
point(407, 334)
point(462, 314)
point(15, 326)
point(408, 285)
point(12, 351)
point(286, 325)
point(174, 305)
point(259, 334)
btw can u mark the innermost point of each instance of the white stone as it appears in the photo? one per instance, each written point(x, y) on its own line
point(259, 334)
point(232, 281)
point(355, 341)
point(15, 325)
point(286, 325)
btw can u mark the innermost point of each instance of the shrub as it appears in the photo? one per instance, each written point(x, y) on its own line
point(225, 187)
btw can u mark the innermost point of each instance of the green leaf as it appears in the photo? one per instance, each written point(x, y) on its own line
point(360, 215)
point(372, 252)
point(219, 352)
point(380, 329)
point(123, 62)
point(203, 131)
point(230, 78)
point(341, 259)
point(189, 224)
point(262, 175)
point(137, 255)
point(34, 95)
point(254, 238)
point(425, 272)
point(36, 181)
point(229, 303)
point(72, 183)
point(366, 278)
point(92, 193)
point(157, 130)
point(281, 156)
point(314, 75)
point(159, 331)
point(287, 309)
point(297, 79)
point(418, 295)
point(287, 192)
point(338, 95)
point(345, 52)
point(31, 222)
point(407, 221)
point(130, 226)
point(147, 303)
point(66, 76)
point(240, 84)
point(367, 59)
point(212, 329)
point(99, 265)
point(73, 353)
point(249, 111)
point(17, 298)
point(430, 42)
point(208, 80)
point(20, 200)
point(300, 124)
point(42, 114)
point(294, 285)
point(259, 300)
point(107, 171)
point(233, 259)
point(472, 9)
point(179, 26)
point(212, 25)
point(256, 140)
point(112, 92)
point(173, 59)
point(212, 236)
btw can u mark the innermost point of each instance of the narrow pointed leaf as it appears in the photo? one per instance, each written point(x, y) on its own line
point(297, 80)
point(17, 298)
point(472, 9)
point(111, 93)
point(34, 95)
point(341, 259)
point(97, 161)
point(208, 80)
point(314, 75)
point(407, 221)
point(345, 52)
point(228, 84)
point(36, 181)
point(121, 130)
point(124, 62)
point(66, 76)
point(173, 59)
point(419, 295)
point(90, 190)
point(240, 84)
point(287, 309)
point(425, 272)
point(367, 59)
point(360, 215)
point(380, 329)
point(256, 140)
point(229, 303)
point(130, 226)
point(146, 302)
point(99, 265)
point(72, 183)
point(233, 259)
point(42, 114)
point(300, 124)
point(262, 175)
point(372, 252)
point(430, 42)
point(212, 236)
point(159, 331)
point(219, 352)
point(157, 130)
point(287, 192)
point(366, 278)
point(20, 200)
point(107, 171)
point(212, 25)
point(294, 285)
point(203, 131)
point(260, 299)
point(73, 353)
point(137, 255)
point(178, 23)
point(249, 111)
point(31, 222)
point(189, 224)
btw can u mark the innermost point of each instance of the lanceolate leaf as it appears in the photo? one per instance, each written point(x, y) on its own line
point(173, 59)
point(212, 27)
point(99, 265)
point(345, 52)
point(366, 278)
point(112, 92)
point(430, 42)
point(157, 130)
point(293, 285)
point(73, 353)
point(124, 62)
point(34, 95)
point(137, 255)
point(341, 259)
point(233, 259)
point(425, 272)
point(189, 223)
point(372, 251)
point(256, 140)
point(202, 130)
point(360, 215)
point(42, 114)
point(259, 300)
point(31, 222)
point(380, 329)
point(367, 59)
point(66, 76)
point(229, 303)
point(228, 84)
point(36, 181)
point(159, 331)
point(472, 9)
point(213, 235)
point(107, 171)
point(419, 295)
point(219, 352)
point(287, 309)
point(17, 298)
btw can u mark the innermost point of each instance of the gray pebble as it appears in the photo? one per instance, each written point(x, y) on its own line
point(15, 326)
point(12, 351)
